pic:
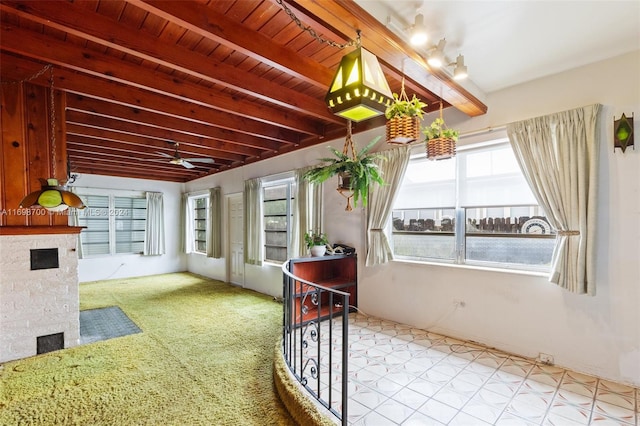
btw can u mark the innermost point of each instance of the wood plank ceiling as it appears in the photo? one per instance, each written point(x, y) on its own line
point(233, 80)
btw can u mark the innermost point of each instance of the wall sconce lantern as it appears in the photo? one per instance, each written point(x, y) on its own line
point(623, 133)
point(359, 90)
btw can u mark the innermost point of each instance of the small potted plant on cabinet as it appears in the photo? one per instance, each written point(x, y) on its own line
point(316, 242)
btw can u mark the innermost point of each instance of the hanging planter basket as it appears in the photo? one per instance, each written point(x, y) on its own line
point(440, 141)
point(403, 130)
point(356, 171)
point(441, 148)
point(403, 118)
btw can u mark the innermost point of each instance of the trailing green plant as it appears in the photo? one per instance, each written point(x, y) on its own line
point(315, 238)
point(362, 171)
point(437, 129)
point(405, 107)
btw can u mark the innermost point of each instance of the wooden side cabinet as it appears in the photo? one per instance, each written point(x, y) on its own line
point(306, 303)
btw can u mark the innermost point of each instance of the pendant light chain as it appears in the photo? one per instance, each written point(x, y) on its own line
point(30, 78)
point(314, 34)
point(52, 107)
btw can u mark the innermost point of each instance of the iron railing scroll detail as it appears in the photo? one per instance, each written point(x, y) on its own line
point(316, 334)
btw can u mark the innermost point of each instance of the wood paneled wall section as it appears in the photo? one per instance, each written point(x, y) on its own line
point(26, 151)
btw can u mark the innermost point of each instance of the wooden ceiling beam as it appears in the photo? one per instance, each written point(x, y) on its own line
point(227, 111)
point(159, 137)
point(140, 100)
point(94, 27)
point(117, 161)
point(217, 27)
point(346, 16)
point(158, 166)
point(227, 140)
point(133, 172)
point(135, 143)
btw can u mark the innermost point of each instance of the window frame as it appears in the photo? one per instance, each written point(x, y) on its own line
point(192, 201)
point(460, 232)
point(112, 215)
point(280, 180)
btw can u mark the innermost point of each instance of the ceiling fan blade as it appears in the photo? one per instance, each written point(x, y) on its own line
point(164, 154)
point(200, 160)
point(187, 164)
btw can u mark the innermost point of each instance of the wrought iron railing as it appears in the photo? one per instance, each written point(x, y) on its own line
point(316, 340)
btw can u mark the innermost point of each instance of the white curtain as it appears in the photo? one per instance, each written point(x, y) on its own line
point(393, 164)
point(186, 219)
point(154, 229)
point(558, 154)
point(253, 221)
point(307, 211)
point(214, 240)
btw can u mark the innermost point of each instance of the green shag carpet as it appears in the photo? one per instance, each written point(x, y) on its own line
point(204, 357)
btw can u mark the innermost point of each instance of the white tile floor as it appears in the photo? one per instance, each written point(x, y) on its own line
point(400, 375)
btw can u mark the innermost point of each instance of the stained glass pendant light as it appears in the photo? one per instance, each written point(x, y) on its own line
point(51, 195)
point(359, 90)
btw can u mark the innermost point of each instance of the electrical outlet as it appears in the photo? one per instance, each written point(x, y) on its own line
point(545, 358)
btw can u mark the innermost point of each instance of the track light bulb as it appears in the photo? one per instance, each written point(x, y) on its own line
point(418, 32)
point(436, 59)
point(460, 71)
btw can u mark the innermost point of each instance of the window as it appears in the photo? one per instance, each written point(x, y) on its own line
point(277, 208)
point(200, 207)
point(475, 209)
point(114, 224)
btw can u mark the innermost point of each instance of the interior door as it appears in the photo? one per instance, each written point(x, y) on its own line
point(235, 260)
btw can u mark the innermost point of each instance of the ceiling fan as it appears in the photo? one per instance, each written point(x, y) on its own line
point(184, 162)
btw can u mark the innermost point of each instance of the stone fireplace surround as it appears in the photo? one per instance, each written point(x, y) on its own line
point(37, 303)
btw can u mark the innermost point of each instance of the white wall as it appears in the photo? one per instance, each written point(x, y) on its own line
point(519, 313)
point(526, 314)
point(267, 278)
point(133, 265)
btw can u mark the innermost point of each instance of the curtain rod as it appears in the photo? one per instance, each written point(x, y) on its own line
point(488, 129)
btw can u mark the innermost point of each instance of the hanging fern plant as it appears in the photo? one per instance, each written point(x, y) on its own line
point(357, 171)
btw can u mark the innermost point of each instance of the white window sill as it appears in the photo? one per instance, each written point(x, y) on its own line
point(475, 267)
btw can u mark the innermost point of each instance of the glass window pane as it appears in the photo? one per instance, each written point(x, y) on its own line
point(201, 218)
point(276, 238)
point(130, 216)
point(424, 246)
point(515, 220)
point(492, 176)
point(428, 183)
point(278, 207)
point(278, 192)
point(484, 187)
point(424, 233)
point(519, 250)
point(275, 223)
point(95, 219)
point(277, 220)
point(275, 254)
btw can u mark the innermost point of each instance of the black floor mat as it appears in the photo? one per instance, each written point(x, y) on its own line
point(105, 323)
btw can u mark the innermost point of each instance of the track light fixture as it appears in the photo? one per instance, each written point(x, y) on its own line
point(436, 57)
point(460, 70)
point(418, 31)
